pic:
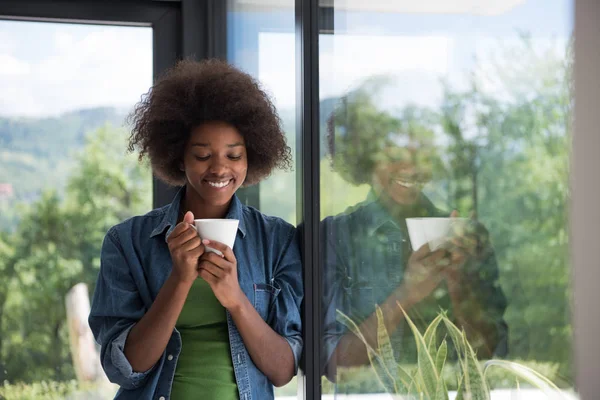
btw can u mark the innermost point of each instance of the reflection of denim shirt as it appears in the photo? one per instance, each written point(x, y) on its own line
point(365, 254)
point(135, 263)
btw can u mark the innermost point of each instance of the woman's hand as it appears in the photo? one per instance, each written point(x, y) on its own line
point(221, 274)
point(422, 274)
point(468, 240)
point(186, 248)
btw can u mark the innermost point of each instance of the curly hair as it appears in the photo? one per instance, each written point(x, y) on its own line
point(356, 133)
point(192, 93)
point(361, 134)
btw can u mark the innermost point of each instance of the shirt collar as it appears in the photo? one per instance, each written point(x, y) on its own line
point(171, 212)
point(380, 216)
point(236, 211)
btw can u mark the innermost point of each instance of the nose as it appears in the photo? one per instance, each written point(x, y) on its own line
point(218, 167)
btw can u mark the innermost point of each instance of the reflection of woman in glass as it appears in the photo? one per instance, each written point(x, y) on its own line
point(368, 258)
point(173, 320)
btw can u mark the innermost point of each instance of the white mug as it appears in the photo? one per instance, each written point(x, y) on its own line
point(219, 230)
point(434, 231)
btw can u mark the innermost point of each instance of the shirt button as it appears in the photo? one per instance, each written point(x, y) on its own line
point(170, 357)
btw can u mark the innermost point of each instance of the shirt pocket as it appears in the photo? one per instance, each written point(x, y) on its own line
point(264, 294)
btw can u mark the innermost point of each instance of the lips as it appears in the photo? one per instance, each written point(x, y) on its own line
point(219, 184)
point(405, 183)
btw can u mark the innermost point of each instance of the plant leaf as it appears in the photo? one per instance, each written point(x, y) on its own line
point(456, 336)
point(386, 381)
point(348, 323)
point(430, 332)
point(441, 392)
point(384, 345)
point(475, 383)
point(460, 395)
point(404, 376)
point(440, 358)
point(530, 375)
point(379, 366)
point(426, 366)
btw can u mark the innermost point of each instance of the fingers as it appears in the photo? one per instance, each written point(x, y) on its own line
point(207, 276)
point(422, 252)
point(217, 260)
point(181, 234)
point(181, 229)
point(226, 250)
point(188, 217)
point(211, 268)
point(192, 244)
point(438, 259)
point(465, 244)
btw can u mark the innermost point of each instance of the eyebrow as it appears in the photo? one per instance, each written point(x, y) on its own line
point(208, 144)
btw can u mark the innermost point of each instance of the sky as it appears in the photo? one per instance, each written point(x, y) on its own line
point(48, 68)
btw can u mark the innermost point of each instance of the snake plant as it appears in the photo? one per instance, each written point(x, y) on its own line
point(425, 382)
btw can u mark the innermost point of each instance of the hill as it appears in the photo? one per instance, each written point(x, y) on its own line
point(37, 153)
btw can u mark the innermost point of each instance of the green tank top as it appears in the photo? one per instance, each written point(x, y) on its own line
point(204, 369)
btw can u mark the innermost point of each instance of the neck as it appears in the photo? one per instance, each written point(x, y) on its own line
point(201, 210)
point(400, 211)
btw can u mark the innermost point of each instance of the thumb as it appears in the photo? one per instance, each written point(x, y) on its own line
point(421, 252)
point(188, 217)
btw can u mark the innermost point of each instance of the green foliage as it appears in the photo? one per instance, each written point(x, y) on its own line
point(427, 379)
point(42, 389)
point(57, 245)
point(52, 390)
point(522, 184)
point(506, 157)
point(36, 153)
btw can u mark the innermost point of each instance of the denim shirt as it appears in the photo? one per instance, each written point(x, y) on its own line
point(365, 254)
point(135, 263)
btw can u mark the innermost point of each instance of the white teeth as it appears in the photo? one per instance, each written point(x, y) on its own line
point(405, 184)
point(219, 184)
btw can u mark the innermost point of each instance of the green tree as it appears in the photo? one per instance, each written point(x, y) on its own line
point(507, 151)
point(56, 245)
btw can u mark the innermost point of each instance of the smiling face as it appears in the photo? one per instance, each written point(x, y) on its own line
point(215, 163)
point(401, 173)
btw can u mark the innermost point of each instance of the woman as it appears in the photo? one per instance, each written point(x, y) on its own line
point(368, 257)
point(177, 322)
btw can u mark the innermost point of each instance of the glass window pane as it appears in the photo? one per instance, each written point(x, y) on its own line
point(444, 186)
point(64, 180)
point(261, 42)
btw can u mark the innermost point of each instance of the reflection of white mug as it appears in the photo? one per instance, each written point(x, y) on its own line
point(434, 231)
point(219, 230)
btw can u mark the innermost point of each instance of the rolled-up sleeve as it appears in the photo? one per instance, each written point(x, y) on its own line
point(284, 314)
point(116, 307)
